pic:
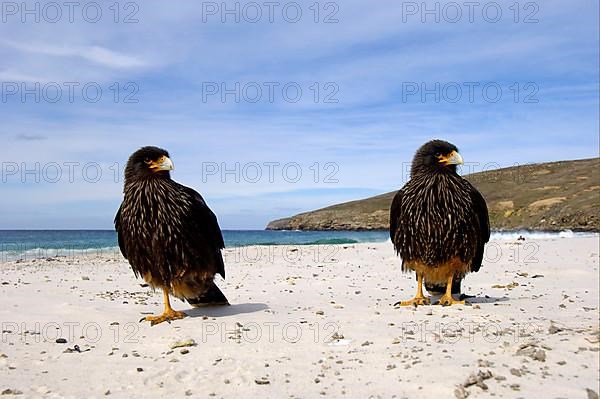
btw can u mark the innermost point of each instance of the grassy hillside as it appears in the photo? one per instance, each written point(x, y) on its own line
point(548, 196)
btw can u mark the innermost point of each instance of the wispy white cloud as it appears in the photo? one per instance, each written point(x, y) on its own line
point(13, 76)
point(95, 54)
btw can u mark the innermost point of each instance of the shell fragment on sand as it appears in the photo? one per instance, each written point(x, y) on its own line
point(183, 344)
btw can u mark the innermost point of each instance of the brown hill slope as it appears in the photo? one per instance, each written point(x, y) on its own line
point(548, 196)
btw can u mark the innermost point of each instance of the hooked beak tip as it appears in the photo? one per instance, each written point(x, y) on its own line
point(167, 164)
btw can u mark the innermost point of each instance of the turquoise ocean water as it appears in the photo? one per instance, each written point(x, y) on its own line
point(31, 244)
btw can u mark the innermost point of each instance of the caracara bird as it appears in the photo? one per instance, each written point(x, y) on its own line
point(168, 234)
point(438, 222)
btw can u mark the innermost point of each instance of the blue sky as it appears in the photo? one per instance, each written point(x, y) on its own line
point(378, 71)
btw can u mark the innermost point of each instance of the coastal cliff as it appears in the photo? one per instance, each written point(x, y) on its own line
point(549, 196)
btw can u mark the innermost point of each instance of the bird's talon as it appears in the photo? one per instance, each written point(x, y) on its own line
point(417, 301)
point(449, 301)
point(168, 316)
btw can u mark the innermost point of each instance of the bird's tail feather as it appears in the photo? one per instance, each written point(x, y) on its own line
point(211, 297)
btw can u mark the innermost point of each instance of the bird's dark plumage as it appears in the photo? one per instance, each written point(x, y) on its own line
point(167, 232)
point(438, 220)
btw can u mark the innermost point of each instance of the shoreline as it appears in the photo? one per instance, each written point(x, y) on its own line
point(526, 230)
point(40, 254)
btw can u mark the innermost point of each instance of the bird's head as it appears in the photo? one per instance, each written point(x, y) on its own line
point(148, 162)
point(436, 155)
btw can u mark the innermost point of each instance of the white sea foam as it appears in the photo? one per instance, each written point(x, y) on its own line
point(13, 254)
point(539, 235)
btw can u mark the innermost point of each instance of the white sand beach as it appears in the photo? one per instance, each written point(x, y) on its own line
point(308, 322)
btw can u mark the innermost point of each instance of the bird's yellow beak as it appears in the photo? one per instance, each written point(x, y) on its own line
point(453, 158)
point(163, 163)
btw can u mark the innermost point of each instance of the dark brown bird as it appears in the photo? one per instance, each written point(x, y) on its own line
point(438, 222)
point(168, 234)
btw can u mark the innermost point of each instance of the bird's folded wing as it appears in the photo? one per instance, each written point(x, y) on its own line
point(395, 212)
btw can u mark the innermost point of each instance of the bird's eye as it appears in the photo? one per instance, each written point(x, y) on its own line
point(147, 161)
point(437, 155)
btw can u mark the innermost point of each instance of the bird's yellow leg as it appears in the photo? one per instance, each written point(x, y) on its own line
point(419, 299)
point(168, 315)
point(447, 299)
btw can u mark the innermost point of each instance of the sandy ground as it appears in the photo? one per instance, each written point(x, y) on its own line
point(308, 322)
